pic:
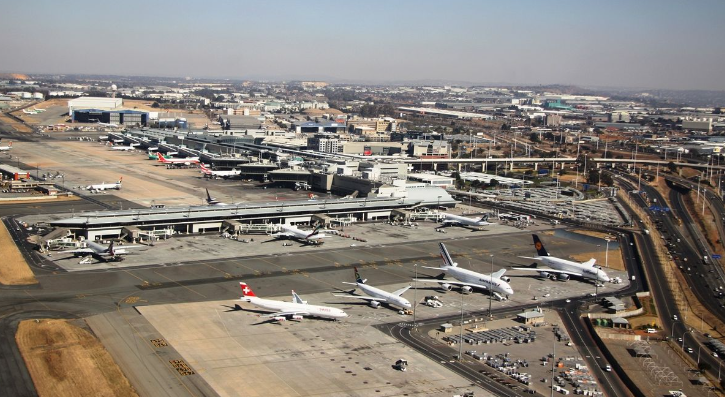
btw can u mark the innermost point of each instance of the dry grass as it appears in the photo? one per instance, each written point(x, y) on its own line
point(705, 222)
point(13, 268)
point(65, 360)
point(18, 126)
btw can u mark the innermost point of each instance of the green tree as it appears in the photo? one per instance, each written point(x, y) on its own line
point(672, 167)
point(607, 180)
point(534, 137)
point(493, 183)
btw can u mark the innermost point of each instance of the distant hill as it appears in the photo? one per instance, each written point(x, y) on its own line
point(13, 76)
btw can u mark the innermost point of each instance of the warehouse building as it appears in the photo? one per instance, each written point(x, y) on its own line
point(94, 103)
point(127, 117)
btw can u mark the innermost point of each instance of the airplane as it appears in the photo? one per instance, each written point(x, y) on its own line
point(26, 111)
point(378, 296)
point(105, 186)
point(39, 110)
point(110, 125)
point(213, 201)
point(172, 161)
point(6, 148)
point(450, 219)
point(295, 310)
point(101, 253)
point(216, 174)
point(121, 147)
point(562, 269)
point(304, 236)
point(495, 283)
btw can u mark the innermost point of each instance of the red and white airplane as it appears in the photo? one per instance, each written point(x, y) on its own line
point(295, 310)
point(172, 161)
point(6, 148)
point(219, 174)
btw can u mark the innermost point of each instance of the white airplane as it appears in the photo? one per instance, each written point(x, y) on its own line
point(105, 186)
point(295, 310)
point(6, 148)
point(121, 147)
point(304, 236)
point(219, 174)
point(495, 283)
point(172, 162)
point(39, 110)
point(101, 253)
point(450, 219)
point(26, 111)
point(378, 296)
point(563, 269)
point(110, 125)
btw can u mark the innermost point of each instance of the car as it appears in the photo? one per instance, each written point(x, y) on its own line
point(679, 340)
point(689, 350)
point(674, 317)
point(608, 368)
point(568, 300)
point(714, 354)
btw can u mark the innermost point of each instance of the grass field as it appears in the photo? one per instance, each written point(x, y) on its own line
point(13, 268)
point(65, 360)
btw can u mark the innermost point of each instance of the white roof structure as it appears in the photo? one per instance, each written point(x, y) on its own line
point(88, 102)
point(486, 178)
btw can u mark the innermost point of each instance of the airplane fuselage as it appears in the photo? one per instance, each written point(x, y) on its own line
point(462, 220)
point(588, 271)
point(389, 298)
point(469, 276)
point(280, 306)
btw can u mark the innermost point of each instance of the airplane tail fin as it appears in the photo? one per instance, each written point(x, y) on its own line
point(160, 157)
point(208, 196)
point(540, 250)
point(484, 218)
point(246, 291)
point(110, 248)
point(204, 170)
point(447, 260)
point(499, 273)
point(120, 180)
point(358, 279)
point(296, 298)
point(314, 232)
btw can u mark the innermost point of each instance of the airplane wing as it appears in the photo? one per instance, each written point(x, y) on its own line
point(79, 251)
point(401, 291)
point(536, 258)
point(431, 280)
point(283, 234)
point(546, 269)
point(367, 298)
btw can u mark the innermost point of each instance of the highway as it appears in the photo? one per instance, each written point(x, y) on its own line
point(664, 297)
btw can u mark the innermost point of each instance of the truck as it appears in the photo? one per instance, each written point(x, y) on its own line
point(705, 260)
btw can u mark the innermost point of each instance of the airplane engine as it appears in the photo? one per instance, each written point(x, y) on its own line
point(466, 289)
point(544, 274)
point(506, 279)
point(374, 304)
point(296, 317)
point(279, 318)
point(564, 277)
point(446, 286)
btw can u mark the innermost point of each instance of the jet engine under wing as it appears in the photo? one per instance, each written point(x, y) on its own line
point(548, 270)
point(285, 314)
point(451, 282)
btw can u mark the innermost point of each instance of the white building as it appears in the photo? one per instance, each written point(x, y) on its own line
point(94, 103)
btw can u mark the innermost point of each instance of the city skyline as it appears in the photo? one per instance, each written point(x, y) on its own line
point(663, 45)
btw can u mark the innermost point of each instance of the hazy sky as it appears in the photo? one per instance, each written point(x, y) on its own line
point(656, 44)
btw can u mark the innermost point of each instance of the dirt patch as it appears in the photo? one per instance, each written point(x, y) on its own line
point(16, 125)
point(65, 360)
point(706, 221)
point(641, 322)
point(13, 268)
point(614, 260)
point(42, 200)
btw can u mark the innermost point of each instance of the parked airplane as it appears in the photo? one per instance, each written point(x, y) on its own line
point(563, 269)
point(103, 254)
point(6, 148)
point(110, 125)
point(303, 236)
point(219, 174)
point(172, 161)
point(450, 219)
point(39, 110)
point(295, 310)
point(495, 283)
point(105, 186)
point(121, 147)
point(26, 111)
point(211, 200)
point(378, 296)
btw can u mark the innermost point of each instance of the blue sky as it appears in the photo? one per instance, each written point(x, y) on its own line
point(649, 44)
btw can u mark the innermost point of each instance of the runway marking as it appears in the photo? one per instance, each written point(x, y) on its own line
point(181, 285)
point(226, 274)
point(135, 276)
point(36, 299)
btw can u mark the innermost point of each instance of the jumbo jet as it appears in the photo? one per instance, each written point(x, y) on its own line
point(295, 310)
point(303, 236)
point(172, 161)
point(105, 186)
point(495, 283)
point(378, 296)
point(219, 174)
point(101, 253)
point(6, 148)
point(562, 269)
point(450, 219)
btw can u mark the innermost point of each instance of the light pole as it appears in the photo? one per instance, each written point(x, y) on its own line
point(490, 291)
point(699, 348)
point(683, 339)
point(460, 335)
point(415, 294)
point(672, 333)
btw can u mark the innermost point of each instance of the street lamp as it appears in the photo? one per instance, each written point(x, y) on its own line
point(490, 290)
point(415, 294)
point(460, 336)
point(683, 339)
point(606, 254)
point(672, 333)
